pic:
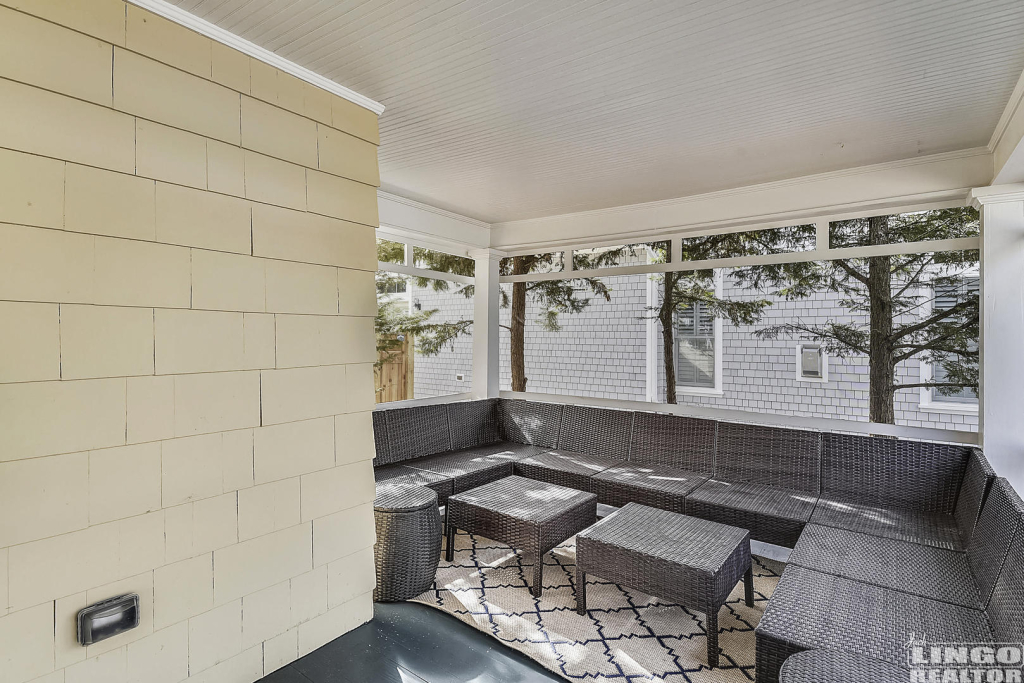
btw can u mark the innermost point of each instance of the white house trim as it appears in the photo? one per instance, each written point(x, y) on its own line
point(893, 187)
point(204, 27)
point(963, 243)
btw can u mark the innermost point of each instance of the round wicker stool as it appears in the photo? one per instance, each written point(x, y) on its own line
point(821, 666)
point(408, 545)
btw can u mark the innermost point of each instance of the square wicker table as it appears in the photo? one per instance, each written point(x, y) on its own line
point(691, 561)
point(532, 516)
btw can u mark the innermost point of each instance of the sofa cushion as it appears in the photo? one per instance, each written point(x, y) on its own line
point(657, 486)
point(686, 443)
point(530, 422)
point(929, 528)
point(880, 472)
point(772, 514)
point(400, 475)
point(473, 423)
point(564, 468)
point(472, 467)
point(773, 456)
point(596, 431)
point(415, 432)
point(926, 571)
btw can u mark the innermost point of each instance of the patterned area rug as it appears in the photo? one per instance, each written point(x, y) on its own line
point(625, 636)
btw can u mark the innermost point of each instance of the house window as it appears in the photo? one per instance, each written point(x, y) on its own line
point(946, 298)
point(695, 347)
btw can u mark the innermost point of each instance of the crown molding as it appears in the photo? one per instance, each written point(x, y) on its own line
point(1015, 102)
point(210, 30)
point(996, 194)
point(760, 187)
point(383, 194)
point(907, 184)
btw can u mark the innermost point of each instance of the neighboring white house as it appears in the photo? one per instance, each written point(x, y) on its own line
point(613, 349)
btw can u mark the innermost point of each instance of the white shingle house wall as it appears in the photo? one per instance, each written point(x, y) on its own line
point(602, 352)
point(438, 375)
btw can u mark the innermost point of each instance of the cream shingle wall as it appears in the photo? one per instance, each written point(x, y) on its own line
point(186, 348)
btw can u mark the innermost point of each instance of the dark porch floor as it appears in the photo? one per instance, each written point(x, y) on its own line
point(411, 643)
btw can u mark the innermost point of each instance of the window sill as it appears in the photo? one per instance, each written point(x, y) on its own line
point(698, 391)
point(949, 408)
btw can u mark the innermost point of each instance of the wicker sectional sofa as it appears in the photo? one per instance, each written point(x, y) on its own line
point(892, 537)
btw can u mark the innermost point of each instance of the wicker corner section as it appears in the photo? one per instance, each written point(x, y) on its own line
point(473, 423)
point(415, 432)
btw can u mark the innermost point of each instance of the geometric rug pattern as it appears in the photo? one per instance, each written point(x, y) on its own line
point(626, 635)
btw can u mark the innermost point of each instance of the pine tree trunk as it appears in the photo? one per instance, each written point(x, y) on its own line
point(667, 337)
point(882, 367)
point(518, 327)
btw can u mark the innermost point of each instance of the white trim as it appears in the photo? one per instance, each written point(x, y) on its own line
point(1016, 100)
point(792, 421)
point(959, 244)
point(865, 190)
point(429, 401)
point(824, 364)
point(210, 30)
point(431, 223)
point(422, 272)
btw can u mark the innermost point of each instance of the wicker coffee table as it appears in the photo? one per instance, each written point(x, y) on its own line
point(691, 561)
point(532, 516)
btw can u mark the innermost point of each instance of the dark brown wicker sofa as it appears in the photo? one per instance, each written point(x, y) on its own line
point(450, 447)
point(847, 591)
point(892, 537)
point(770, 480)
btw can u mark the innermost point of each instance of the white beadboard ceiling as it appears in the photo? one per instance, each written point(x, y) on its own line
point(510, 109)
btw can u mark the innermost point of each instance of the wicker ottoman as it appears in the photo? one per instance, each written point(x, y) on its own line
point(691, 561)
point(821, 666)
point(532, 516)
point(408, 547)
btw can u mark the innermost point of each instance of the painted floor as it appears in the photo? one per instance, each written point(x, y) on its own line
point(412, 643)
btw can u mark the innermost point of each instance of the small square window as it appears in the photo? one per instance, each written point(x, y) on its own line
point(811, 363)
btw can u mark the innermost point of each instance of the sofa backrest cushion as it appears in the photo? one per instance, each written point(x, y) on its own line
point(687, 443)
point(872, 470)
point(997, 525)
point(1006, 608)
point(757, 454)
point(530, 422)
point(978, 478)
point(473, 423)
point(380, 438)
point(415, 432)
point(596, 431)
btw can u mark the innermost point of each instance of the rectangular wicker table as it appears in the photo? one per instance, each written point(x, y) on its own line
point(691, 561)
point(529, 515)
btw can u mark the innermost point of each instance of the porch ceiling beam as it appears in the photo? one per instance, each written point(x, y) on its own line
point(959, 244)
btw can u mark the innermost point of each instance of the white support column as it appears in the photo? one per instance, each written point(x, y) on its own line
point(486, 300)
point(1001, 390)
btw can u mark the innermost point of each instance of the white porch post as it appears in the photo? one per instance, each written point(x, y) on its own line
point(486, 301)
point(1002, 328)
